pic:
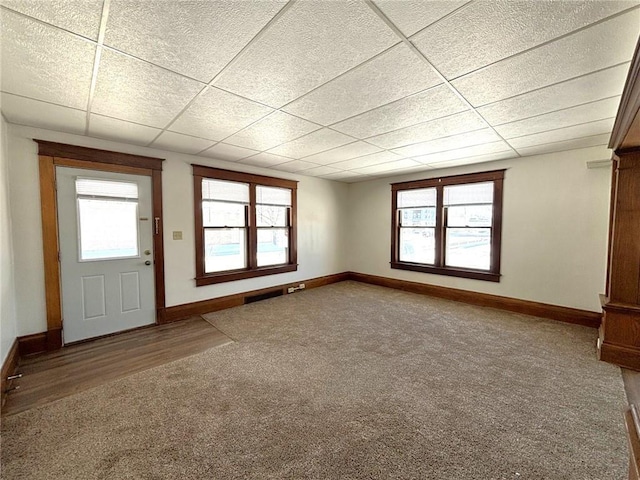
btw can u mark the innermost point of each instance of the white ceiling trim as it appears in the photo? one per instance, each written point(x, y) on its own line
point(96, 64)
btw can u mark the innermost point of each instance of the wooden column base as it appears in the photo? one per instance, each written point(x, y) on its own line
point(619, 341)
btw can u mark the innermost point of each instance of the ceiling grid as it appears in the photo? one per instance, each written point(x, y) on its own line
point(347, 90)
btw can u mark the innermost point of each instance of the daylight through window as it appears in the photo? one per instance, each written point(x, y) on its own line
point(245, 225)
point(449, 225)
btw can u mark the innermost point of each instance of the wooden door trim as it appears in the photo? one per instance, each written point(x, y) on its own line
point(51, 155)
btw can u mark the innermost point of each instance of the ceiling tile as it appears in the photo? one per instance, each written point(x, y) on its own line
point(309, 45)
point(320, 171)
point(388, 77)
point(468, 139)
point(196, 38)
point(589, 112)
point(577, 131)
point(217, 114)
point(273, 130)
point(367, 160)
point(603, 45)
point(265, 160)
point(139, 92)
point(405, 163)
point(486, 148)
point(575, 143)
point(52, 117)
point(77, 16)
point(315, 142)
point(224, 151)
point(355, 149)
point(45, 63)
point(490, 157)
point(441, 127)
point(413, 15)
point(121, 131)
point(588, 88)
point(433, 103)
point(501, 28)
point(176, 142)
point(295, 166)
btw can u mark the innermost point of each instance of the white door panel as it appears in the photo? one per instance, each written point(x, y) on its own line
point(106, 250)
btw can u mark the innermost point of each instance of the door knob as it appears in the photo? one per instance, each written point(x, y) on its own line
point(148, 262)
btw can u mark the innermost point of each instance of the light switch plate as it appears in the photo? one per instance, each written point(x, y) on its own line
point(177, 235)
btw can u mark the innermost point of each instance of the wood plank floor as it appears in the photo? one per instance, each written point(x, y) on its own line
point(51, 376)
point(631, 380)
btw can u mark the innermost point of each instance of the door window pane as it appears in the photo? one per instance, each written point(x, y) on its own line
point(417, 245)
point(225, 249)
point(108, 228)
point(273, 246)
point(469, 248)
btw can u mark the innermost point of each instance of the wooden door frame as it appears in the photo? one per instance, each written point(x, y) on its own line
point(51, 155)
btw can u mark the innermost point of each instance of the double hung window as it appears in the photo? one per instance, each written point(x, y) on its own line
point(245, 225)
point(449, 225)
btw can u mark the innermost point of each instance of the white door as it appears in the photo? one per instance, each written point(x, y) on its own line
point(106, 252)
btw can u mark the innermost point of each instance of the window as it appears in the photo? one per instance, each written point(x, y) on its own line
point(107, 219)
point(245, 225)
point(449, 225)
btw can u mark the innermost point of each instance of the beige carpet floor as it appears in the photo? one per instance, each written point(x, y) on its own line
point(348, 381)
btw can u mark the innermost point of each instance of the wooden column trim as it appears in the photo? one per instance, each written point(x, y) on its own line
point(51, 250)
point(626, 130)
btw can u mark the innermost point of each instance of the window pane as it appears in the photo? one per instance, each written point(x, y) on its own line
point(220, 214)
point(271, 216)
point(468, 194)
point(418, 217)
point(421, 197)
point(469, 247)
point(225, 249)
point(273, 196)
point(417, 245)
point(469, 216)
point(273, 246)
point(108, 228)
point(221, 190)
point(106, 188)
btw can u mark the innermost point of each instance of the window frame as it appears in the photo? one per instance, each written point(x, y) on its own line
point(439, 268)
point(202, 278)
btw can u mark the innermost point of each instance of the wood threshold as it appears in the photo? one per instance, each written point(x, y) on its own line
point(72, 369)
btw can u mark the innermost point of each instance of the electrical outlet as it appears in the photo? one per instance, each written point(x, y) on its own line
point(177, 235)
point(302, 286)
point(291, 290)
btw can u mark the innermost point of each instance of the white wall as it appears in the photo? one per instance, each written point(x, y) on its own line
point(322, 227)
point(8, 324)
point(554, 237)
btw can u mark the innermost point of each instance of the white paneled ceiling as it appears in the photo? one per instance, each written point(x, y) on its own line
point(346, 90)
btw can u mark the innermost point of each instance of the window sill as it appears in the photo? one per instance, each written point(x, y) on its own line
point(212, 278)
point(452, 272)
